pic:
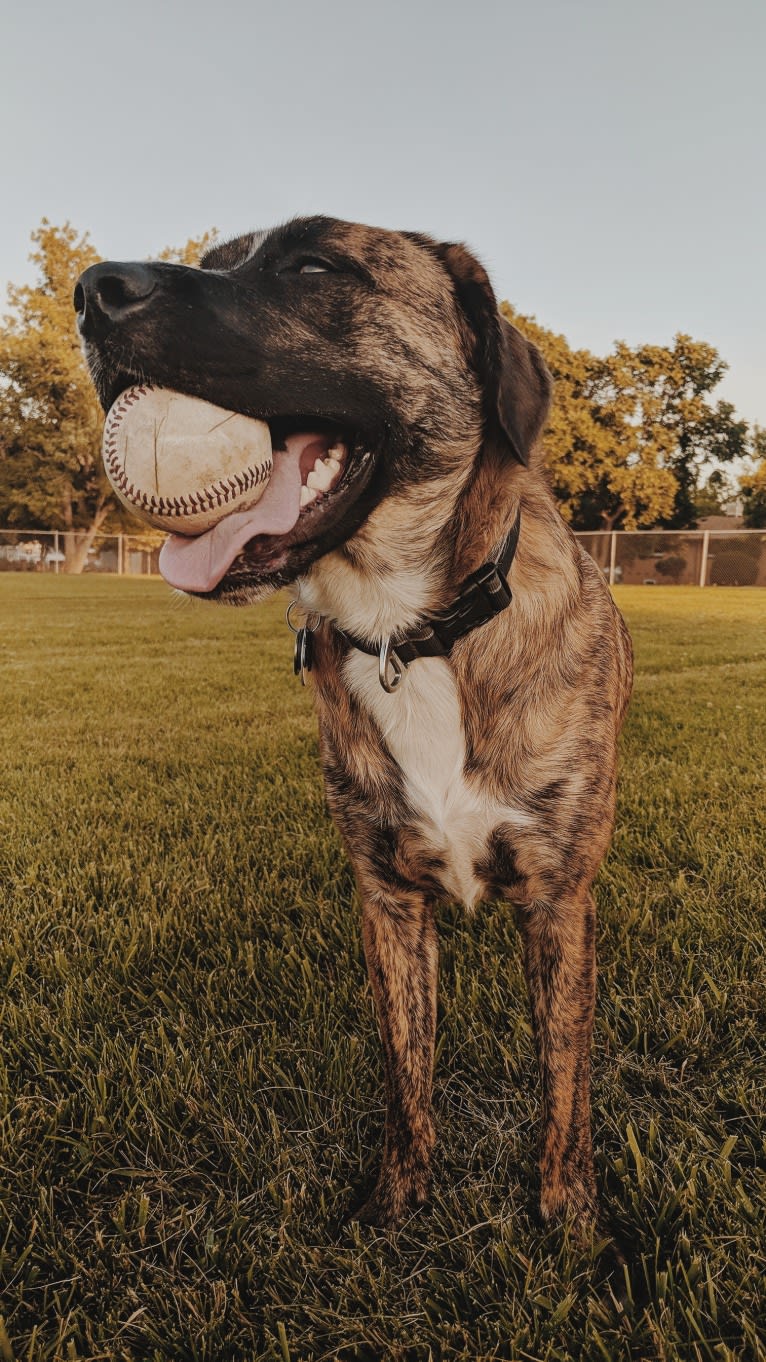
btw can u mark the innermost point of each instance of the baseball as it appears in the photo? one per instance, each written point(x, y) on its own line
point(183, 464)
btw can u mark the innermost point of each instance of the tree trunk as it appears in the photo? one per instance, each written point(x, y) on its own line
point(77, 543)
point(609, 522)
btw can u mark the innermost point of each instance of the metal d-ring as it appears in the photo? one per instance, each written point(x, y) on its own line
point(312, 621)
point(387, 658)
point(294, 627)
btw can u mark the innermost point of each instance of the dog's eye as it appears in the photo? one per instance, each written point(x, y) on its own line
point(313, 267)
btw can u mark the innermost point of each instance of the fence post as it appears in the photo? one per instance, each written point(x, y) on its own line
point(703, 564)
point(56, 551)
point(120, 555)
point(612, 557)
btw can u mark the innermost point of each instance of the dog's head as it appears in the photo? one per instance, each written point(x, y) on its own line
point(388, 345)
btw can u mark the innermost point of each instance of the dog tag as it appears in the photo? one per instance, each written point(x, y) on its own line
point(304, 653)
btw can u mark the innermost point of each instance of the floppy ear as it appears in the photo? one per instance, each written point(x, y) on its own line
point(524, 390)
point(517, 385)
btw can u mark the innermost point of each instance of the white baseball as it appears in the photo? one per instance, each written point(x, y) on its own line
point(183, 464)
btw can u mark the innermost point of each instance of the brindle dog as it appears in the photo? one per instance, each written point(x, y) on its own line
point(489, 773)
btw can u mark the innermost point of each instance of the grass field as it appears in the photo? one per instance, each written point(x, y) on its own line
point(190, 1079)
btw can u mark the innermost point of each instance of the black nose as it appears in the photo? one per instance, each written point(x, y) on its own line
point(107, 293)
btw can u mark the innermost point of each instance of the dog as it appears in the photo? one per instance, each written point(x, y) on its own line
point(470, 670)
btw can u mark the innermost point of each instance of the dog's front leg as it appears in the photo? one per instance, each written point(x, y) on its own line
point(401, 950)
point(560, 966)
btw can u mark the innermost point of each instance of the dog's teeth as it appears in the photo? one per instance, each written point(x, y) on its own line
point(319, 477)
point(333, 465)
point(337, 451)
point(308, 494)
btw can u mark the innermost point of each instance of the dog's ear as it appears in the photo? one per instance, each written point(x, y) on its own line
point(517, 384)
point(524, 390)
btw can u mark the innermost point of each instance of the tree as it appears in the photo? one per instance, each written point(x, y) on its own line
point(753, 484)
point(192, 252)
point(50, 420)
point(631, 434)
point(713, 495)
point(51, 471)
point(603, 474)
point(666, 391)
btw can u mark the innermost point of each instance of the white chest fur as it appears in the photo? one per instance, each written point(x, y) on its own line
point(422, 728)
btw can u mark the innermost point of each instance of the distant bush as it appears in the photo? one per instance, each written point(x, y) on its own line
point(733, 567)
point(17, 565)
point(671, 567)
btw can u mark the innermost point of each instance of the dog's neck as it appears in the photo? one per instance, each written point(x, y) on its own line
point(484, 511)
point(394, 570)
point(409, 558)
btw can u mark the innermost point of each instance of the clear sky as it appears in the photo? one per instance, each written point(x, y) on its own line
point(604, 158)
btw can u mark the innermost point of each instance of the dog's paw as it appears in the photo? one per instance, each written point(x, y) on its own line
point(379, 1212)
point(571, 1202)
point(394, 1198)
point(582, 1219)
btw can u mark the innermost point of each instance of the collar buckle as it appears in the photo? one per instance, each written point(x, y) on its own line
point(482, 596)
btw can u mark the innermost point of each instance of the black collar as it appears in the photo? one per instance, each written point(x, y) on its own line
point(481, 596)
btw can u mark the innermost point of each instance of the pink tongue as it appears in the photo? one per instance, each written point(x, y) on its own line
point(199, 564)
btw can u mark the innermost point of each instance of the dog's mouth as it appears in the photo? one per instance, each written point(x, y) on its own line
point(319, 472)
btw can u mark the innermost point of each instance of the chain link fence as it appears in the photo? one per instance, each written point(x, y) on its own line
point(644, 557)
point(57, 551)
point(680, 558)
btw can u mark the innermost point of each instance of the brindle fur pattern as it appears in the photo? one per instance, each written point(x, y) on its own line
point(488, 775)
point(542, 691)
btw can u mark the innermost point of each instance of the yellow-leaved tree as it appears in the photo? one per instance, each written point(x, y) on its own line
point(51, 471)
point(666, 394)
point(602, 474)
point(630, 435)
point(753, 483)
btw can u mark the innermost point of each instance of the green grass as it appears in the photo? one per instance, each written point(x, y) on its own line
point(190, 1078)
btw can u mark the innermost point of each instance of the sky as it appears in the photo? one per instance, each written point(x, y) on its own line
point(604, 159)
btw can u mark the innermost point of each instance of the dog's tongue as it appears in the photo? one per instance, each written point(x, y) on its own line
point(199, 564)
